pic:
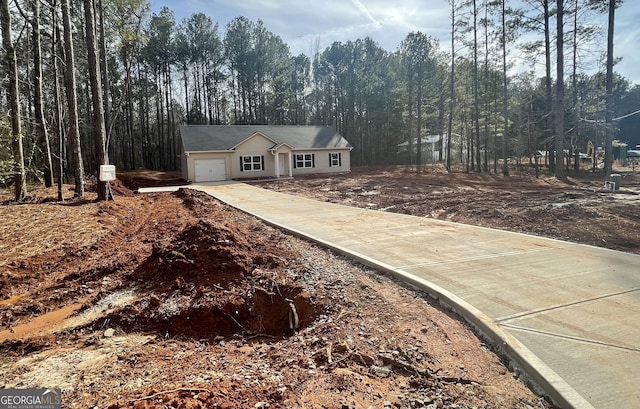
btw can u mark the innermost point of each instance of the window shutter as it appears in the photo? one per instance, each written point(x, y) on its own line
point(262, 162)
point(340, 159)
point(313, 160)
point(330, 163)
point(295, 161)
point(241, 165)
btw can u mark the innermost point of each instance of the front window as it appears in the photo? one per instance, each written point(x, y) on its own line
point(252, 163)
point(335, 159)
point(304, 160)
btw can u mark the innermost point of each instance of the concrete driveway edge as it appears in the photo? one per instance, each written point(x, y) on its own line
point(542, 379)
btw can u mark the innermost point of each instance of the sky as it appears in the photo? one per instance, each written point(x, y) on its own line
point(304, 24)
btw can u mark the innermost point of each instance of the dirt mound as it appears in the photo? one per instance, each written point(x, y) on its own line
point(118, 188)
point(209, 281)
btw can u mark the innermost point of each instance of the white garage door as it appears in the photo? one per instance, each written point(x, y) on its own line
point(210, 170)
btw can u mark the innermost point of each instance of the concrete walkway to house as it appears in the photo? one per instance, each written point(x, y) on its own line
point(567, 314)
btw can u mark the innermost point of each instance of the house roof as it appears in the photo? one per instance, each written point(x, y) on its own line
point(226, 137)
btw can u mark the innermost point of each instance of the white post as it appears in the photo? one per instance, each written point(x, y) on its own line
point(290, 165)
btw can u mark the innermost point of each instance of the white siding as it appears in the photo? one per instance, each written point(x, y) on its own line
point(256, 146)
point(322, 163)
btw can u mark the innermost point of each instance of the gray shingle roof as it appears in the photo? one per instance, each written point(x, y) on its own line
point(224, 137)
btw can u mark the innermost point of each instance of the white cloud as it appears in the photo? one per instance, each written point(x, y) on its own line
point(364, 10)
point(388, 23)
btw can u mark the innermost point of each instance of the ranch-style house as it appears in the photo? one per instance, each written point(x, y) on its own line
point(226, 152)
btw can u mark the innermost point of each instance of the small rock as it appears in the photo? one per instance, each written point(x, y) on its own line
point(154, 300)
point(140, 405)
point(261, 405)
point(247, 350)
point(380, 371)
point(109, 333)
point(203, 396)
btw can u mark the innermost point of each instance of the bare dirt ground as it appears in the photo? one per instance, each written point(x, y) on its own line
point(176, 300)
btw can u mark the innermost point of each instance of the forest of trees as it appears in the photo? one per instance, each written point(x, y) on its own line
point(94, 82)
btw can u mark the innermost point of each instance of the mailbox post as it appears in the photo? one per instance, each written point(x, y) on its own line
point(107, 174)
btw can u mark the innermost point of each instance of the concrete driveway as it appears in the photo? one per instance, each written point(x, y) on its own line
point(568, 315)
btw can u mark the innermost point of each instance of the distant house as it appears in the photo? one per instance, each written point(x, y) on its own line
point(225, 152)
point(431, 149)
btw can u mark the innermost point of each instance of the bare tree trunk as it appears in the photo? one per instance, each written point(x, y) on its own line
point(144, 118)
point(559, 117)
point(574, 89)
point(452, 89)
point(495, 137)
point(441, 106)
point(548, 87)
point(186, 91)
point(172, 126)
point(167, 82)
point(419, 123)
point(476, 106)
point(11, 67)
point(100, 132)
point(505, 94)
point(72, 101)
point(608, 150)
point(487, 102)
point(219, 108)
point(128, 114)
point(159, 119)
point(56, 96)
point(410, 105)
point(37, 97)
point(104, 70)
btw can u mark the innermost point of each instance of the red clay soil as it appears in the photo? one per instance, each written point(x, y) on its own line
point(177, 300)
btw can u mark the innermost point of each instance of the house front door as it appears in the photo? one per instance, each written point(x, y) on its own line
point(284, 165)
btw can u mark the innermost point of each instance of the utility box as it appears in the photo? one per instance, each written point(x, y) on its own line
point(616, 179)
point(609, 185)
point(107, 173)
